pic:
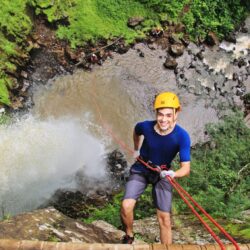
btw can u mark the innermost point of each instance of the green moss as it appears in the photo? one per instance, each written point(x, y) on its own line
point(5, 119)
point(53, 238)
point(14, 22)
point(15, 25)
point(54, 10)
point(204, 16)
point(239, 230)
point(245, 233)
point(4, 94)
point(90, 20)
point(94, 19)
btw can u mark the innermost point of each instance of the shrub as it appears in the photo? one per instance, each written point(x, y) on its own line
point(220, 169)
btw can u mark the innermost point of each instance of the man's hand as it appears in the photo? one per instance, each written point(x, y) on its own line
point(136, 154)
point(165, 173)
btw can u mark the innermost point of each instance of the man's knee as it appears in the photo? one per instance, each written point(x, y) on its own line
point(164, 219)
point(128, 205)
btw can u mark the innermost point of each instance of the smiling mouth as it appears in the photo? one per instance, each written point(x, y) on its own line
point(164, 124)
point(163, 127)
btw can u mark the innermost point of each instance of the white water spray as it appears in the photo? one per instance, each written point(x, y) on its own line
point(38, 157)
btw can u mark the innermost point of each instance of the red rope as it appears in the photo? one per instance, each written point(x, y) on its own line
point(206, 214)
point(196, 213)
point(181, 191)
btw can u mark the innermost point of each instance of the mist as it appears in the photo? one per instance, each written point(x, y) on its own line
point(40, 156)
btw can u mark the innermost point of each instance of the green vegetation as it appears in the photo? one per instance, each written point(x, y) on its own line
point(91, 20)
point(15, 25)
point(219, 180)
point(4, 119)
point(111, 214)
point(201, 17)
point(6, 216)
point(82, 21)
point(220, 169)
point(239, 230)
point(54, 10)
point(53, 238)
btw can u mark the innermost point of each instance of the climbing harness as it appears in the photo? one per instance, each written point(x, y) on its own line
point(180, 190)
point(157, 168)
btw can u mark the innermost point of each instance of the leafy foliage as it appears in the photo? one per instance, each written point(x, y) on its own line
point(14, 22)
point(81, 21)
point(95, 19)
point(92, 20)
point(54, 10)
point(202, 16)
point(220, 169)
point(111, 212)
point(15, 25)
point(218, 16)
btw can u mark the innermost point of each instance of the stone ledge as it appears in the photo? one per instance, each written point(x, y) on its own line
point(9, 244)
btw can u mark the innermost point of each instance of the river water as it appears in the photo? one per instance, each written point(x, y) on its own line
point(68, 129)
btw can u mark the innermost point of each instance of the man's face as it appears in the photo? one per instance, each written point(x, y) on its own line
point(166, 118)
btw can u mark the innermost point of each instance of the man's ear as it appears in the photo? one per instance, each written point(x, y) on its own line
point(176, 112)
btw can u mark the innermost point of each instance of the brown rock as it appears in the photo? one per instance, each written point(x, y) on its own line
point(70, 53)
point(134, 21)
point(177, 49)
point(212, 39)
point(24, 74)
point(17, 102)
point(170, 63)
point(50, 225)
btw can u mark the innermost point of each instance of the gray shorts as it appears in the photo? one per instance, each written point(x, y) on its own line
point(161, 191)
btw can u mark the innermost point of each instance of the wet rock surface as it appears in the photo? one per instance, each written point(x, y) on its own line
point(117, 167)
point(77, 203)
point(186, 229)
point(223, 83)
point(51, 225)
point(51, 57)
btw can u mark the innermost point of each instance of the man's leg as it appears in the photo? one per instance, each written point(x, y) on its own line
point(134, 188)
point(162, 194)
point(165, 227)
point(127, 215)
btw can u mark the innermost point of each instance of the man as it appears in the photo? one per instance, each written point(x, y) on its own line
point(157, 142)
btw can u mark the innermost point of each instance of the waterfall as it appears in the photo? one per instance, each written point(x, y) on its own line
point(40, 156)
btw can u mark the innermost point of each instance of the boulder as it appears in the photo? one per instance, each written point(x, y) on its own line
point(51, 225)
point(177, 49)
point(170, 63)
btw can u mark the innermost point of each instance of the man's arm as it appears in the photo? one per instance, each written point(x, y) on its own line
point(184, 169)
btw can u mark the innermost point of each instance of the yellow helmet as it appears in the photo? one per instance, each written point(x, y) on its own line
point(167, 100)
